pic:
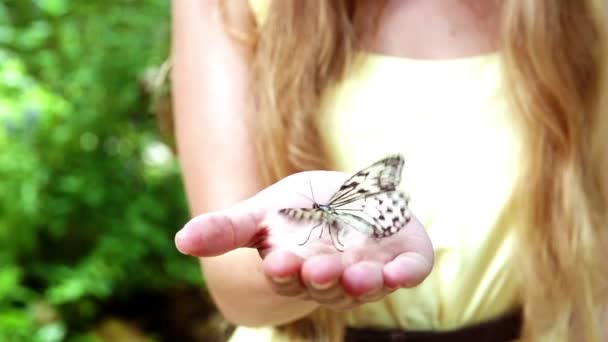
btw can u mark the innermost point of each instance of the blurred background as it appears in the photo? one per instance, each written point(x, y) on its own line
point(90, 191)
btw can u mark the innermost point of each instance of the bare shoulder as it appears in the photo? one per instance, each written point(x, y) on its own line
point(235, 13)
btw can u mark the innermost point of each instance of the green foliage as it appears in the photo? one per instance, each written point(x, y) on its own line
point(90, 197)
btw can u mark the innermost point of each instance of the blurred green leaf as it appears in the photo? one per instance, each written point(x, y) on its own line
point(16, 325)
point(53, 7)
point(33, 36)
point(53, 332)
point(10, 279)
point(90, 195)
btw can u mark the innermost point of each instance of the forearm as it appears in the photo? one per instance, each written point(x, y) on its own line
point(242, 293)
point(210, 81)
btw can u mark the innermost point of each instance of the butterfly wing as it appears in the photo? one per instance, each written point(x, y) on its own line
point(367, 202)
point(379, 215)
point(391, 212)
point(382, 176)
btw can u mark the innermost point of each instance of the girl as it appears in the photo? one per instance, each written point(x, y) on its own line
point(500, 109)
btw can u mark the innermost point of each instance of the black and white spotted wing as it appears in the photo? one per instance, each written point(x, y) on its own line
point(381, 176)
point(368, 202)
point(381, 215)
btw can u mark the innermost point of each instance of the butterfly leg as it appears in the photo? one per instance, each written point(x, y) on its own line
point(338, 233)
point(310, 233)
point(334, 224)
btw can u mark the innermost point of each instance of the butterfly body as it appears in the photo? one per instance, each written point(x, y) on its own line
point(367, 202)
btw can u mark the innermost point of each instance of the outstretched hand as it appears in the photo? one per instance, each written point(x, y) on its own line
point(310, 266)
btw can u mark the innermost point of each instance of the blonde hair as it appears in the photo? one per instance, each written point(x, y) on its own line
point(555, 60)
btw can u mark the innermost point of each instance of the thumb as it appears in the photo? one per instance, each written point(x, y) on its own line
point(220, 232)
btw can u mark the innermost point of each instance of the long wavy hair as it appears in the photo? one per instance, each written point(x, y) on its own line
point(555, 57)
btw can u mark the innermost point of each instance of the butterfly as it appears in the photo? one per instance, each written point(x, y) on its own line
point(368, 202)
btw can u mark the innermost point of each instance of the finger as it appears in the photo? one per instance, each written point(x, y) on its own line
point(282, 264)
point(217, 233)
point(322, 271)
point(291, 287)
point(406, 270)
point(330, 296)
point(372, 296)
point(321, 275)
point(363, 278)
point(282, 269)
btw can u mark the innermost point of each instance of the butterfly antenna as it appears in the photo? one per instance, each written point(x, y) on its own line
point(311, 192)
point(306, 196)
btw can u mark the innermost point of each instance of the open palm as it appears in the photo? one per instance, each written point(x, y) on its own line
point(337, 266)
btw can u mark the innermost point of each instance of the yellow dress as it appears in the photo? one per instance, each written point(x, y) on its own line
point(450, 121)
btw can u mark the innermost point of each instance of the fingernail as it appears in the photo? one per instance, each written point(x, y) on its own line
point(391, 288)
point(282, 280)
point(372, 297)
point(318, 286)
point(182, 238)
point(181, 235)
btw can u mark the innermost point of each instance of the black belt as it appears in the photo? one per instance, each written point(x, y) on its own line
point(505, 328)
